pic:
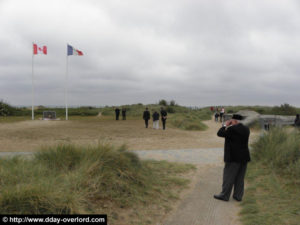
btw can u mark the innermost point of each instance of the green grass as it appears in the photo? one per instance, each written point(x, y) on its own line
point(12, 119)
point(180, 117)
point(189, 121)
point(273, 191)
point(68, 179)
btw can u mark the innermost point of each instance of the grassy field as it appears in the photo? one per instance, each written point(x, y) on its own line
point(179, 116)
point(29, 135)
point(273, 180)
point(69, 179)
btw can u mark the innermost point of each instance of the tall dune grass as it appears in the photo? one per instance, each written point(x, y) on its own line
point(68, 179)
point(280, 151)
point(272, 196)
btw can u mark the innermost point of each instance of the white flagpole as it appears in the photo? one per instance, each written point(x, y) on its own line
point(32, 89)
point(66, 87)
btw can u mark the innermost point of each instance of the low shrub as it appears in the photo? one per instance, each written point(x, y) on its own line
point(6, 109)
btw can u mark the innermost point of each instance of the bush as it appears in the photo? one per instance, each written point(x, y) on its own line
point(170, 109)
point(284, 109)
point(172, 103)
point(6, 109)
point(163, 102)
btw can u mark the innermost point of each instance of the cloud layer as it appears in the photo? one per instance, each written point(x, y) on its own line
point(200, 53)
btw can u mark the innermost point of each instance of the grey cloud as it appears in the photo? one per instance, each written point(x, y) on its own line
point(196, 52)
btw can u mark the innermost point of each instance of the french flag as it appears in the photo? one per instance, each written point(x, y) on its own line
point(73, 51)
point(39, 50)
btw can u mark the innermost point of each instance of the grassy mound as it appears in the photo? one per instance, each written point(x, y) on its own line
point(67, 179)
point(190, 121)
point(272, 195)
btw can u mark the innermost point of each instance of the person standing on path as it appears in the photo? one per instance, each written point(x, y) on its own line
point(117, 112)
point(155, 117)
point(146, 117)
point(236, 157)
point(124, 113)
point(222, 112)
point(164, 115)
point(217, 115)
point(297, 121)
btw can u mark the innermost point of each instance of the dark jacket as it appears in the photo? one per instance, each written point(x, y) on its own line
point(297, 121)
point(163, 114)
point(146, 115)
point(123, 112)
point(236, 143)
point(155, 116)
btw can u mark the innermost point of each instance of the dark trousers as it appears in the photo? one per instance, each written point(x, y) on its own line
point(124, 117)
point(233, 177)
point(163, 123)
point(221, 117)
point(117, 116)
point(146, 123)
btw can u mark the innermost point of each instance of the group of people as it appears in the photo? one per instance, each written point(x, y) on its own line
point(219, 113)
point(146, 116)
point(155, 118)
point(117, 113)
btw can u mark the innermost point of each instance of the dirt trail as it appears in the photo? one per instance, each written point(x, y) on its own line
point(197, 205)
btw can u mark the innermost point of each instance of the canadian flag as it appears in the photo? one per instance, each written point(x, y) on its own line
point(39, 50)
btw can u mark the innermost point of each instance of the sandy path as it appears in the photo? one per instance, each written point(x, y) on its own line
point(197, 205)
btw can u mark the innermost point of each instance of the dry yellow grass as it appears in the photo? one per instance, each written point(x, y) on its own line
point(30, 135)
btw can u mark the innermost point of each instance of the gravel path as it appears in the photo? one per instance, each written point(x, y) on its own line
point(193, 156)
point(197, 206)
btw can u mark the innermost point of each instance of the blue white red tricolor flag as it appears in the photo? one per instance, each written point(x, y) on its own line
point(73, 51)
point(39, 50)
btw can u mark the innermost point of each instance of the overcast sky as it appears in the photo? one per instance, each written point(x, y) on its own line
point(197, 52)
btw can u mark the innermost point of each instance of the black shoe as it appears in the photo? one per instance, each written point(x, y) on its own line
point(220, 197)
point(237, 199)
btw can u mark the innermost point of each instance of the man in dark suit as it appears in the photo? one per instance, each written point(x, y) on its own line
point(124, 113)
point(146, 117)
point(117, 112)
point(164, 115)
point(236, 157)
point(297, 121)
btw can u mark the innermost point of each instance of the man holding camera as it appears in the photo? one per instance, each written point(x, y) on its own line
point(236, 157)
